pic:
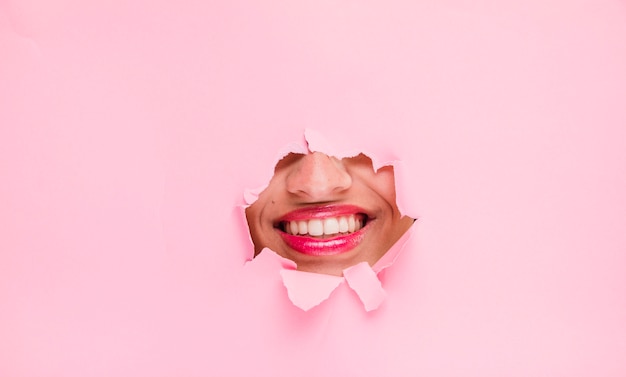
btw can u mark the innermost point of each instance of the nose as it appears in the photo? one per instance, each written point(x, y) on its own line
point(318, 177)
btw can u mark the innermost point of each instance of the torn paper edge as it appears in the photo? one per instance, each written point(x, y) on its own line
point(364, 281)
point(314, 141)
point(307, 290)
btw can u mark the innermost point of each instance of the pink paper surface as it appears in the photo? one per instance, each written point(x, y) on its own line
point(130, 130)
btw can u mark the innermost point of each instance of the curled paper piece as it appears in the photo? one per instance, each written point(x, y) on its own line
point(269, 260)
point(363, 280)
point(251, 195)
point(306, 289)
point(317, 142)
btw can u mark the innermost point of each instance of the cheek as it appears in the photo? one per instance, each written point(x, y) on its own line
point(384, 185)
point(259, 214)
point(252, 220)
point(253, 217)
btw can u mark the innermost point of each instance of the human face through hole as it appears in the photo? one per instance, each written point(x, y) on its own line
point(327, 214)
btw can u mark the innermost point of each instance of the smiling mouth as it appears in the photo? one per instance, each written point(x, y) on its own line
point(323, 231)
point(324, 227)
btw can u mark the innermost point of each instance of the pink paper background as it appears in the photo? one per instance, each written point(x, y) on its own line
point(130, 129)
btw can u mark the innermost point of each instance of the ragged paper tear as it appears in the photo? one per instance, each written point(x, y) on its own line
point(309, 289)
point(363, 280)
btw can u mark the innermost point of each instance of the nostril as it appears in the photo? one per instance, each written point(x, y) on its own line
point(319, 177)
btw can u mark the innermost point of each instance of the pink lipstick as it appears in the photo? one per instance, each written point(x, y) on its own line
point(323, 230)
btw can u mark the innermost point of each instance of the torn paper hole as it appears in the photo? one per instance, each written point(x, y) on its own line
point(328, 213)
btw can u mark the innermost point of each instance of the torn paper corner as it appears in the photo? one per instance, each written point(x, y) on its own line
point(251, 195)
point(270, 261)
point(363, 280)
point(392, 254)
point(316, 142)
point(306, 290)
point(299, 148)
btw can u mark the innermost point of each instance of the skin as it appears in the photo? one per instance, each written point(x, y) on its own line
point(316, 180)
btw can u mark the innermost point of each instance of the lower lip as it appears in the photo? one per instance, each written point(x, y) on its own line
point(323, 246)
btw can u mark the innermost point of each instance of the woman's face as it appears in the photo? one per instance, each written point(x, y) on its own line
point(327, 214)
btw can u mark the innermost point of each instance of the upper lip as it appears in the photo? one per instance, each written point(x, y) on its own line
point(322, 212)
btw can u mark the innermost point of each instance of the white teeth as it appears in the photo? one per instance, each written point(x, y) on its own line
point(293, 227)
point(316, 228)
point(327, 226)
point(343, 225)
point(302, 227)
point(331, 226)
point(351, 224)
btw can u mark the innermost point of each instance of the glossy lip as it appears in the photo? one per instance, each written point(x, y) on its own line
point(324, 246)
point(333, 245)
point(320, 212)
